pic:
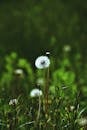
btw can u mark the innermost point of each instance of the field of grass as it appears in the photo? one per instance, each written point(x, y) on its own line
point(49, 96)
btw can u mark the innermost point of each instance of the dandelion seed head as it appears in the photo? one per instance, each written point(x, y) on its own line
point(18, 71)
point(35, 93)
point(42, 62)
point(82, 121)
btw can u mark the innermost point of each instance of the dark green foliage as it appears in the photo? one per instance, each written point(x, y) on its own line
point(13, 82)
point(32, 27)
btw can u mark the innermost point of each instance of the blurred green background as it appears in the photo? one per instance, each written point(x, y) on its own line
point(32, 27)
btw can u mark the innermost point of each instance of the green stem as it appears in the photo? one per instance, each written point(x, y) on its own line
point(46, 90)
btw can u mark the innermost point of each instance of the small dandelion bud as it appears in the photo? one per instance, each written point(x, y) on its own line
point(40, 81)
point(67, 48)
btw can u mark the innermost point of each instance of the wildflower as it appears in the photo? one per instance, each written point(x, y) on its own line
point(18, 71)
point(35, 93)
point(42, 62)
point(82, 121)
point(67, 48)
point(72, 108)
point(13, 102)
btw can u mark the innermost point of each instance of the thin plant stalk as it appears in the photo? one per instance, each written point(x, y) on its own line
point(39, 108)
point(38, 114)
point(46, 90)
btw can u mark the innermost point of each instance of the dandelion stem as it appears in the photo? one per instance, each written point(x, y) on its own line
point(39, 108)
point(46, 90)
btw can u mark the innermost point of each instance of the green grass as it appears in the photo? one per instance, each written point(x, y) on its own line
point(61, 107)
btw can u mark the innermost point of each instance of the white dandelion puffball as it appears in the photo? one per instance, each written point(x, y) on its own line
point(13, 102)
point(18, 71)
point(42, 62)
point(35, 93)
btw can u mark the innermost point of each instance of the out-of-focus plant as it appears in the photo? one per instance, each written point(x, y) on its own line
point(64, 78)
point(17, 77)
